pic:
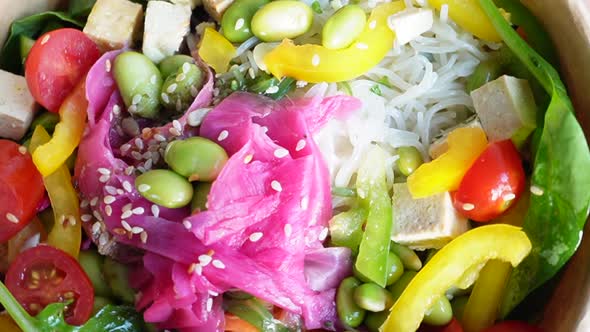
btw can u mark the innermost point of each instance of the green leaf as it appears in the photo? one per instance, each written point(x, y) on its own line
point(555, 219)
point(30, 27)
point(80, 8)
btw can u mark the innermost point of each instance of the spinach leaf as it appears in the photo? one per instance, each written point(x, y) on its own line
point(556, 218)
point(80, 8)
point(31, 27)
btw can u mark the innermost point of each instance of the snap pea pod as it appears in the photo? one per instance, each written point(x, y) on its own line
point(557, 216)
point(255, 313)
point(346, 229)
point(374, 197)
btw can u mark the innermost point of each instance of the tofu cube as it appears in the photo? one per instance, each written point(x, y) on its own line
point(114, 24)
point(191, 3)
point(166, 24)
point(440, 145)
point(17, 106)
point(216, 8)
point(425, 223)
point(506, 109)
point(411, 23)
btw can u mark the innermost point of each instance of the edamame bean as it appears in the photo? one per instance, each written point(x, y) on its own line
point(372, 297)
point(408, 256)
point(485, 72)
point(409, 159)
point(396, 268)
point(348, 311)
point(139, 82)
point(282, 19)
point(200, 196)
point(397, 288)
point(236, 19)
point(180, 89)
point(117, 276)
point(196, 158)
point(458, 305)
point(92, 263)
point(440, 313)
point(374, 320)
point(164, 187)
point(344, 27)
point(171, 64)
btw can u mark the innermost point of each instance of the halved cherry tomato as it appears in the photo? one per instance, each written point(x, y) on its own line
point(43, 275)
point(513, 326)
point(452, 326)
point(493, 183)
point(21, 189)
point(57, 61)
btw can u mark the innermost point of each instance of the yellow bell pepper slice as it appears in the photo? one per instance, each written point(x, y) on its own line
point(216, 50)
point(469, 16)
point(68, 132)
point(315, 63)
point(445, 172)
point(455, 264)
point(66, 233)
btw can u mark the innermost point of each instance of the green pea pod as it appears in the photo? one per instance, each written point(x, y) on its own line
point(559, 207)
point(346, 229)
point(373, 196)
point(255, 313)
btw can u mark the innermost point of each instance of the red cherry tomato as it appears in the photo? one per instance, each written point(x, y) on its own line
point(21, 189)
point(57, 61)
point(513, 326)
point(452, 326)
point(493, 183)
point(43, 275)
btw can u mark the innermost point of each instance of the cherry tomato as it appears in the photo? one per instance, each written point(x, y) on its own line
point(43, 275)
point(452, 326)
point(57, 61)
point(493, 183)
point(513, 326)
point(21, 189)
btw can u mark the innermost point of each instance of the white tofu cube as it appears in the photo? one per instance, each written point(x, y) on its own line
point(410, 23)
point(166, 25)
point(425, 223)
point(191, 3)
point(440, 145)
point(113, 24)
point(216, 8)
point(17, 106)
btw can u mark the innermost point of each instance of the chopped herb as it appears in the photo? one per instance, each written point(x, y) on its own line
point(385, 81)
point(343, 192)
point(317, 7)
point(376, 90)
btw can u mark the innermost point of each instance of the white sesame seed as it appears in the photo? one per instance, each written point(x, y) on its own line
point(124, 148)
point(22, 149)
point(223, 135)
point(254, 237)
point(143, 187)
point(146, 155)
point(187, 224)
point(136, 155)
point(132, 109)
point(272, 89)
point(251, 73)
point(218, 264)
point(509, 197)
point(176, 124)
point(280, 153)
point(107, 65)
point(239, 23)
point(120, 191)
point(198, 269)
point(96, 227)
point(127, 186)
point(108, 199)
point(139, 143)
point(194, 91)
point(180, 77)
point(126, 225)
point(304, 203)
point(116, 109)
point(372, 25)
point(136, 230)
point(196, 117)
point(97, 215)
point(288, 229)
point(138, 210)
point(84, 203)
point(301, 84)
point(155, 210)
point(94, 201)
point(205, 260)
point(86, 217)
point(108, 210)
point(248, 159)
point(45, 39)
point(72, 220)
point(212, 293)
point(129, 170)
point(111, 190)
point(103, 239)
point(323, 234)
point(174, 131)
point(126, 214)
point(468, 206)
point(315, 60)
point(276, 185)
point(171, 88)
point(186, 67)
point(159, 138)
point(127, 207)
point(153, 79)
point(362, 46)
point(537, 191)
point(209, 304)
point(165, 98)
point(12, 218)
point(143, 237)
point(104, 171)
point(104, 178)
point(300, 145)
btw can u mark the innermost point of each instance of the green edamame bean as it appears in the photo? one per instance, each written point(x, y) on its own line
point(372, 297)
point(236, 19)
point(164, 187)
point(99, 303)
point(397, 288)
point(281, 19)
point(47, 120)
point(374, 320)
point(117, 276)
point(348, 311)
point(485, 72)
point(196, 158)
point(171, 64)
point(409, 159)
point(139, 82)
point(180, 89)
point(440, 313)
point(396, 268)
point(92, 263)
point(344, 27)
point(200, 196)
point(408, 256)
point(458, 305)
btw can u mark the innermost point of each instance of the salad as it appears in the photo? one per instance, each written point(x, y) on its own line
point(258, 165)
